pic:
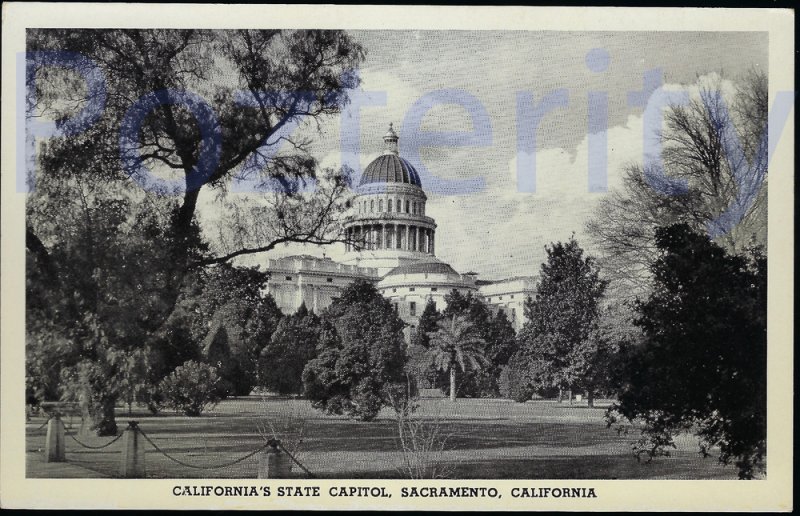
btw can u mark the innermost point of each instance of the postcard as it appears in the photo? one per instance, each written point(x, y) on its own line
point(384, 257)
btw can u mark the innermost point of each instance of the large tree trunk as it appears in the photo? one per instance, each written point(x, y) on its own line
point(560, 395)
point(97, 415)
point(590, 397)
point(183, 221)
point(570, 396)
point(453, 384)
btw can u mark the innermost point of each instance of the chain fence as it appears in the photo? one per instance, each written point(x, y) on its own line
point(195, 466)
point(36, 430)
point(90, 447)
point(175, 459)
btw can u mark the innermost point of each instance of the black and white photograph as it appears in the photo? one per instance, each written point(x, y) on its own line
point(280, 257)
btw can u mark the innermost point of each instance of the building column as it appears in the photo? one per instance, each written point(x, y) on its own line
point(408, 242)
point(383, 237)
point(397, 240)
point(365, 236)
point(433, 242)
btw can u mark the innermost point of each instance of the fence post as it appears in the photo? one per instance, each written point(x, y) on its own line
point(132, 461)
point(272, 463)
point(54, 445)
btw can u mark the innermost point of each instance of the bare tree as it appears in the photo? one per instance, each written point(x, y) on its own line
point(700, 140)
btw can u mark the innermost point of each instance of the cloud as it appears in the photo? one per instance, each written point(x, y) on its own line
point(503, 232)
point(500, 231)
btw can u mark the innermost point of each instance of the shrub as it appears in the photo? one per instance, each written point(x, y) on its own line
point(513, 381)
point(191, 387)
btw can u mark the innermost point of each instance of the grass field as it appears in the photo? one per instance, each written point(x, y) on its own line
point(486, 438)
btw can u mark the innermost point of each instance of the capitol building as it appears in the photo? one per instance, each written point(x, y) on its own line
point(396, 251)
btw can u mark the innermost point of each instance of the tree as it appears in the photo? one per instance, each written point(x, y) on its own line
point(230, 301)
point(287, 76)
point(699, 141)
point(217, 353)
point(560, 336)
point(97, 287)
point(428, 323)
point(176, 343)
point(191, 388)
point(286, 354)
point(702, 364)
point(360, 356)
point(456, 345)
point(501, 344)
point(492, 330)
point(109, 264)
point(419, 365)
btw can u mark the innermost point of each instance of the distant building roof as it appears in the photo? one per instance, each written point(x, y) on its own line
point(423, 268)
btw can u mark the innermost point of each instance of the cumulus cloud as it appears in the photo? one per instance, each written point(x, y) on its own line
point(497, 231)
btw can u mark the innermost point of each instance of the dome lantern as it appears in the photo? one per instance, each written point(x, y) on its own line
point(390, 139)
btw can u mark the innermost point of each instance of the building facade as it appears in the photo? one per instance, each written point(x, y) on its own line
point(392, 243)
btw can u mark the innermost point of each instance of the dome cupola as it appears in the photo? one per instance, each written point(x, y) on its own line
point(389, 167)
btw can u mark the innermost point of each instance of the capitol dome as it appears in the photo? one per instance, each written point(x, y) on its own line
point(389, 167)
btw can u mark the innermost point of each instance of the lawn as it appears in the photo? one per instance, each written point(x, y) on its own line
point(486, 438)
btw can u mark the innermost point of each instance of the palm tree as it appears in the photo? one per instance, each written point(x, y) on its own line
point(456, 345)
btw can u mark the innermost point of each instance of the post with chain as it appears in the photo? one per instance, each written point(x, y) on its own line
point(132, 460)
point(54, 445)
point(272, 463)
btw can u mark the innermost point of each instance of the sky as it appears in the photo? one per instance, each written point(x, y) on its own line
point(497, 230)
